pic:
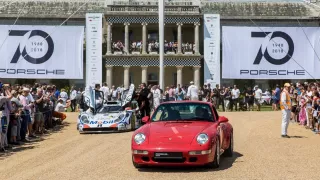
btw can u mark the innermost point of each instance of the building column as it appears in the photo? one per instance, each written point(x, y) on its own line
point(179, 75)
point(109, 75)
point(109, 37)
point(196, 37)
point(144, 74)
point(179, 38)
point(126, 76)
point(126, 37)
point(144, 38)
point(196, 75)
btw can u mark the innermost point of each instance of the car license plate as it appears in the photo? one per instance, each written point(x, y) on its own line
point(161, 154)
point(168, 154)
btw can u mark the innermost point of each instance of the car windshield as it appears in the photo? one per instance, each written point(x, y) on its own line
point(183, 112)
point(108, 109)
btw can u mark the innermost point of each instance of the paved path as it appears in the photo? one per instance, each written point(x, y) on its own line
point(260, 153)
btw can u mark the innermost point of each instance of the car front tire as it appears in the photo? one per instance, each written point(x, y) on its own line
point(136, 165)
point(216, 162)
point(229, 151)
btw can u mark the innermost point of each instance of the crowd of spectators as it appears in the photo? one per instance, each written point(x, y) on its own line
point(305, 102)
point(29, 111)
point(153, 47)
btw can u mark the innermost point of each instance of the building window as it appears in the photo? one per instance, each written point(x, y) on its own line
point(175, 81)
point(131, 78)
point(152, 77)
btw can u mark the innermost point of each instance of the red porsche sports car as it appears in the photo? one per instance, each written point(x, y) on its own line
point(182, 133)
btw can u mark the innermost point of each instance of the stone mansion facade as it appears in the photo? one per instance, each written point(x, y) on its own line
point(130, 31)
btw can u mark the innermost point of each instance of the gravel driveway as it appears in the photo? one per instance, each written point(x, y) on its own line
point(260, 153)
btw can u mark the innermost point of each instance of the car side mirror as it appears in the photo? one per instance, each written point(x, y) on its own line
point(145, 119)
point(223, 119)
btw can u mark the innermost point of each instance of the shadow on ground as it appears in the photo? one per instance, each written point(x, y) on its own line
point(32, 143)
point(298, 137)
point(225, 163)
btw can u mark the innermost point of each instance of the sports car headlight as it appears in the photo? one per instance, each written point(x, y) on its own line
point(202, 138)
point(84, 119)
point(139, 138)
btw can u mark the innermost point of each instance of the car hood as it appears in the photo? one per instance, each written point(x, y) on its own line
point(107, 116)
point(175, 132)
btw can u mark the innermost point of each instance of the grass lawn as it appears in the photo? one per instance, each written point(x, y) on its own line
point(263, 108)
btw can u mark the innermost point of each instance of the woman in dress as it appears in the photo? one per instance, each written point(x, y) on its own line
point(302, 113)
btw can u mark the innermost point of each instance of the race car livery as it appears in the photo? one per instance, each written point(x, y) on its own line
point(110, 116)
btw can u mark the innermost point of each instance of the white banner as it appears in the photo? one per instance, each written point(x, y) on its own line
point(41, 52)
point(211, 42)
point(93, 49)
point(270, 52)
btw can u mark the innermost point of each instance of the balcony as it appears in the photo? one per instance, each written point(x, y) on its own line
point(171, 48)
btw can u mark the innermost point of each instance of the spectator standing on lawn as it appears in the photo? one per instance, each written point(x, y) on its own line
point(276, 98)
point(258, 96)
point(73, 95)
point(235, 93)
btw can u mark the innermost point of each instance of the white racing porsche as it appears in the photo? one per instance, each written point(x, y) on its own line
point(108, 117)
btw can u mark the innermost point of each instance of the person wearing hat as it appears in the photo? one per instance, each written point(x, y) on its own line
point(192, 93)
point(285, 106)
point(59, 109)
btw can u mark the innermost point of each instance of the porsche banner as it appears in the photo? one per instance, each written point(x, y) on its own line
point(270, 52)
point(41, 52)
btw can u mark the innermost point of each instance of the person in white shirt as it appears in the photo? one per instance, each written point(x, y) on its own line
point(156, 96)
point(60, 107)
point(64, 96)
point(235, 93)
point(114, 93)
point(105, 89)
point(257, 96)
point(285, 106)
point(192, 93)
point(73, 95)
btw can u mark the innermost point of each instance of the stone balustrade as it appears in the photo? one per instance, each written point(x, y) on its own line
point(258, 9)
point(227, 9)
